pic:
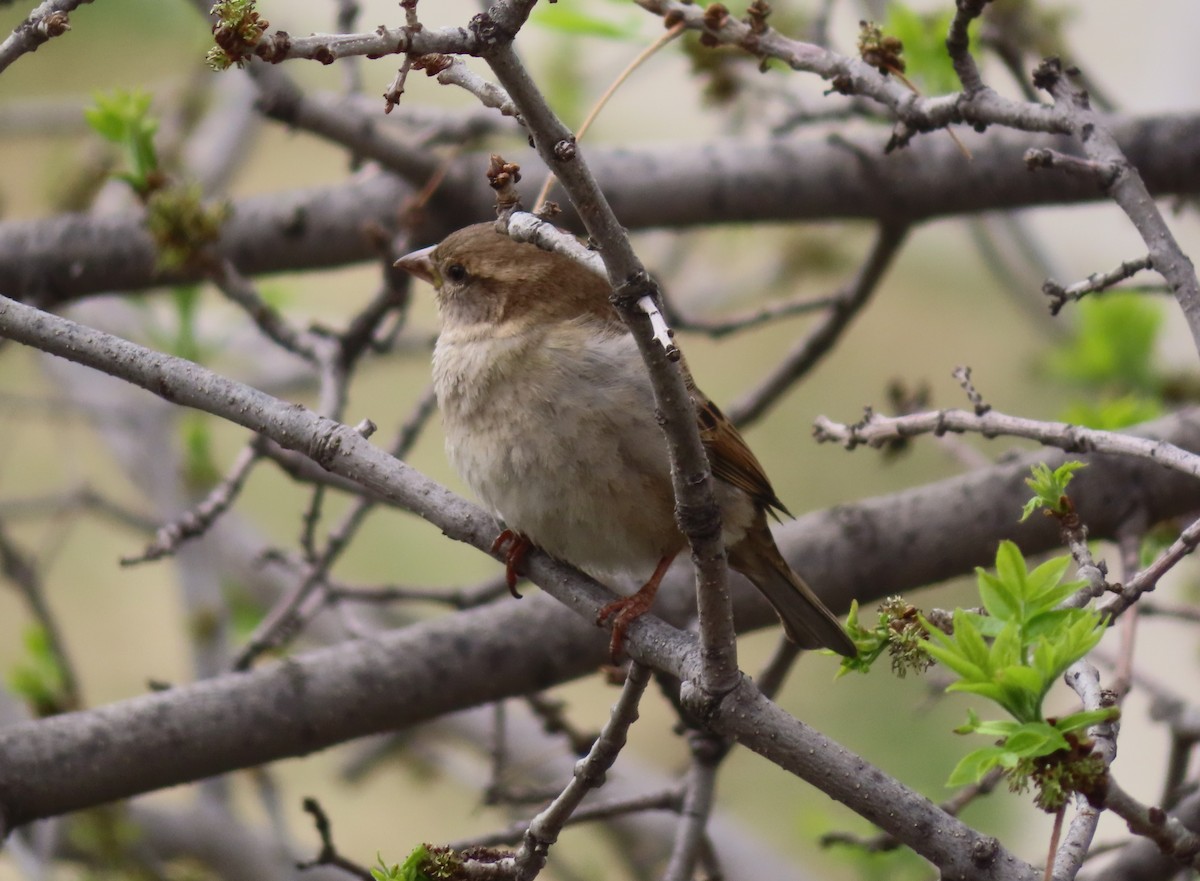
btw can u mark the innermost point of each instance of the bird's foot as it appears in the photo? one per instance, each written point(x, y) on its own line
point(623, 612)
point(514, 546)
point(626, 610)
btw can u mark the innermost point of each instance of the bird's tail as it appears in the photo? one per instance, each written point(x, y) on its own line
point(805, 619)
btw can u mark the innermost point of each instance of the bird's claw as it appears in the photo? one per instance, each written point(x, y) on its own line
point(514, 546)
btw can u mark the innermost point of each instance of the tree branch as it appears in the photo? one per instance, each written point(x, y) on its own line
point(724, 181)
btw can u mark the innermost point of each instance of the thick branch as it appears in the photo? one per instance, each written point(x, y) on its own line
point(722, 181)
point(315, 700)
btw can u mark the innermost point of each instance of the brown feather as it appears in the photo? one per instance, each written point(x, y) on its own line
point(805, 619)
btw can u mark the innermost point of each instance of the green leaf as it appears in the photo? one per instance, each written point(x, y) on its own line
point(409, 870)
point(950, 657)
point(969, 640)
point(567, 18)
point(1024, 678)
point(1011, 568)
point(993, 691)
point(971, 725)
point(999, 600)
point(1114, 346)
point(1006, 647)
point(1086, 719)
point(1059, 650)
point(38, 677)
point(974, 765)
point(1113, 414)
point(1049, 487)
point(1045, 623)
point(924, 37)
point(124, 118)
point(1035, 739)
point(1041, 583)
point(1024, 689)
point(965, 652)
point(994, 728)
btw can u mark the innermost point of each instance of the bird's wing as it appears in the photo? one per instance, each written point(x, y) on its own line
point(731, 459)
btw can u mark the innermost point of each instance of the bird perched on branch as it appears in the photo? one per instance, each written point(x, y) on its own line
point(550, 419)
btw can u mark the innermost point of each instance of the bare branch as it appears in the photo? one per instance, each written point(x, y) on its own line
point(876, 431)
point(1172, 837)
point(48, 20)
point(1097, 281)
point(809, 351)
point(700, 787)
point(544, 829)
point(196, 522)
point(1068, 857)
point(62, 258)
point(1126, 188)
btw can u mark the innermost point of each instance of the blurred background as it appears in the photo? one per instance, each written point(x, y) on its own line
point(948, 301)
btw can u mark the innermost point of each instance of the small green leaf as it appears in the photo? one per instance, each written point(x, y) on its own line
point(1049, 487)
point(1045, 623)
point(1000, 601)
point(1114, 345)
point(949, 657)
point(1113, 413)
point(1006, 647)
point(1035, 739)
point(994, 728)
point(1023, 679)
point(974, 765)
point(1041, 582)
point(38, 677)
point(1086, 719)
point(1011, 568)
point(970, 641)
point(566, 18)
point(124, 119)
point(409, 870)
point(924, 37)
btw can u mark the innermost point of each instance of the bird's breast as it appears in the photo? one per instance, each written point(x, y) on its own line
point(555, 432)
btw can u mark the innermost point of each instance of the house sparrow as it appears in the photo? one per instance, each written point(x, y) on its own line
point(549, 418)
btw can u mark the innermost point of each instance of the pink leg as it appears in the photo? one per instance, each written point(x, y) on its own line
point(628, 609)
point(518, 547)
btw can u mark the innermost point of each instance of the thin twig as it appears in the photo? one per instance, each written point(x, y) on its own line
point(707, 751)
point(544, 829)
point(821, 339)
point(1146, 580)
point(1097, 281)
point(1126, 188)
point(668, 800)
point(876, 431)
point(766, 314)
point(17, 568)
point(634, 296)
point(1067, 857)
point(283, 621)
point(670, 34)
point(196, 521)
point(328, 854)
point(47, 20)
point(1172, 837)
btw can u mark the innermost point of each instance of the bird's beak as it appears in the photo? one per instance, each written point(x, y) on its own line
point(420, 264)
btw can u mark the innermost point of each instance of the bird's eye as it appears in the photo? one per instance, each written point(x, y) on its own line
point(456, 273)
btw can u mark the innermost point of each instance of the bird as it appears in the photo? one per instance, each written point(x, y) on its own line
point(549, 418)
